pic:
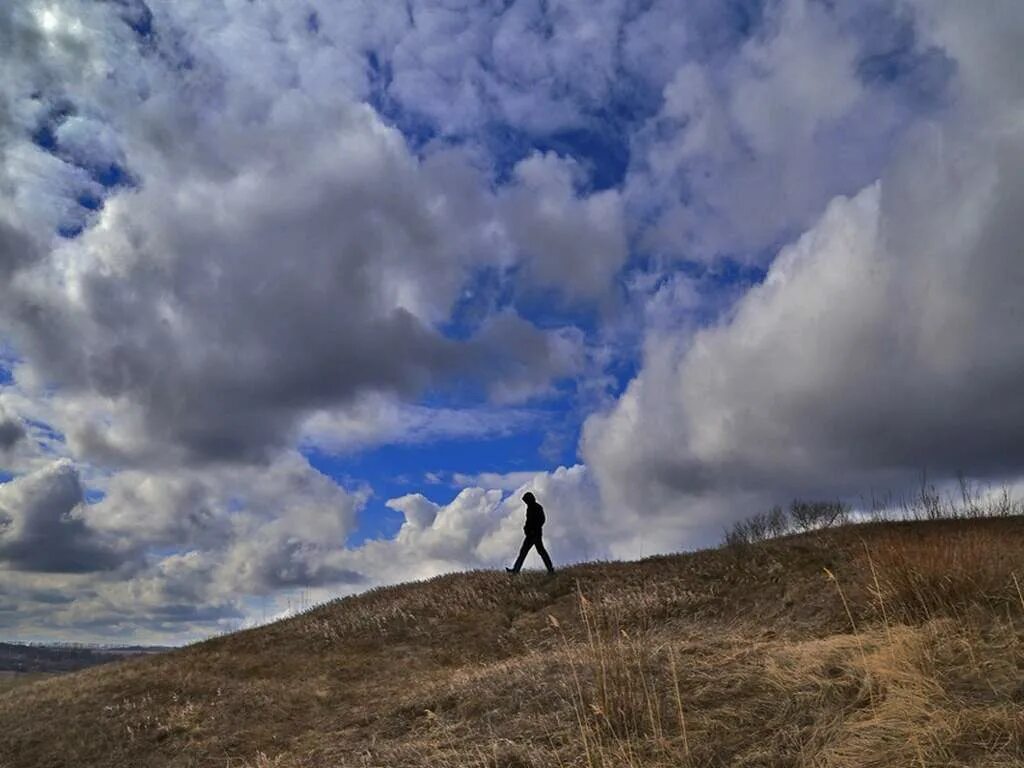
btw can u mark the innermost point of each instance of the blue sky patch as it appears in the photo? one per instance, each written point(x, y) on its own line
point(70, 231)
point(397, 470)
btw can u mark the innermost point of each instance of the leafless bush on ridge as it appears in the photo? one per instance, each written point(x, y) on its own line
point(811, 515)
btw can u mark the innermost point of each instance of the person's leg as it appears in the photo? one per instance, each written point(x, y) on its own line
point(527, 543)
point(539, 544)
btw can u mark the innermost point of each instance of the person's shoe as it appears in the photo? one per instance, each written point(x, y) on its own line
point(511, 570)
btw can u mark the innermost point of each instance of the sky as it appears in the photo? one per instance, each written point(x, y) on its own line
point(298, 298)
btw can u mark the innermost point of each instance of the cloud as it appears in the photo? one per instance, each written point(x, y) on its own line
point(257, 524)
point(276, 308)
point(482, 527)
point(749, 146)
point(191, 293)
point(194, 548)
point(268, 243)
point(376, 420)
point(464, 68)
point(16, 247)
point(507, 481)
point(882, 341)
point(571, 243)
point(11, 431)
point(41, 528)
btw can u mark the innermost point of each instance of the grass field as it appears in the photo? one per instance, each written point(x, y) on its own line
point(886, 644)
point(11, 680)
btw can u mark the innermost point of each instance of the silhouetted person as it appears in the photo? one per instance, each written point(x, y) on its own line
point(532, 529)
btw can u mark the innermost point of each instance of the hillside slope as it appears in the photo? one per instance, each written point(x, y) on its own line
point(875, 645)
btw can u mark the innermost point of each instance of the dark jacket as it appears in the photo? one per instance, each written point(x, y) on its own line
point(534, 519)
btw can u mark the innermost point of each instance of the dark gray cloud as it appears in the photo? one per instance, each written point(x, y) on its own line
point(299, 564)
point(11, 431)
point(40, 529)
point(16, 249)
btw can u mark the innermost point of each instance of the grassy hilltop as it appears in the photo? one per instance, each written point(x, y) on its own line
point(890, 644)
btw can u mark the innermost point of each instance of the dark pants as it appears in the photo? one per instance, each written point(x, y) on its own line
point(533, 540)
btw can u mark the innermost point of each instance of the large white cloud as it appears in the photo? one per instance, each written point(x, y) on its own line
point(483, 527)
point(885, 341)
point(301, 281)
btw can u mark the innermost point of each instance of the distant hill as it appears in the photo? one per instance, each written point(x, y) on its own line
point(895, 644)
point(25, 658)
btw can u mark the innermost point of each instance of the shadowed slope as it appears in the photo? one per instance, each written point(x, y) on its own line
point(889, 644)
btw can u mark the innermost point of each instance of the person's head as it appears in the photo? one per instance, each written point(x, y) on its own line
point(529, 498)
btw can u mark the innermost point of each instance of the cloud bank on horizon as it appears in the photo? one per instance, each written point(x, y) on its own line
point(300, 296)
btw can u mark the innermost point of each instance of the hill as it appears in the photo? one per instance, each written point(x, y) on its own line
point(893, 644)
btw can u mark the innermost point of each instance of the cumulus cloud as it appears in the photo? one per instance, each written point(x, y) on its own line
point(41, 527)
point(464, 67)
point(258, 523)
point(190, 293)
point(193, 548)
point(746, 150)
point(377, 420)
point(482, 527)
point(504, 481)
point(881, 343)
point(575, 244)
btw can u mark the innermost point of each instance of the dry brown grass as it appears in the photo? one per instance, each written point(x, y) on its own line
point(877, 645)
point(11, 680)
point(927, 571)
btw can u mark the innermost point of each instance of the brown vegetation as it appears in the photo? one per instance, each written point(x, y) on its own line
point(884, 644)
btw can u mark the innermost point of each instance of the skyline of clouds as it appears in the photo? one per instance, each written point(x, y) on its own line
point(293, 295)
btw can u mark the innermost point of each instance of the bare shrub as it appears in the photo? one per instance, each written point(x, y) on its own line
point(736, 535)
point(777, 521)
point(811, 515)
point(759, 527)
